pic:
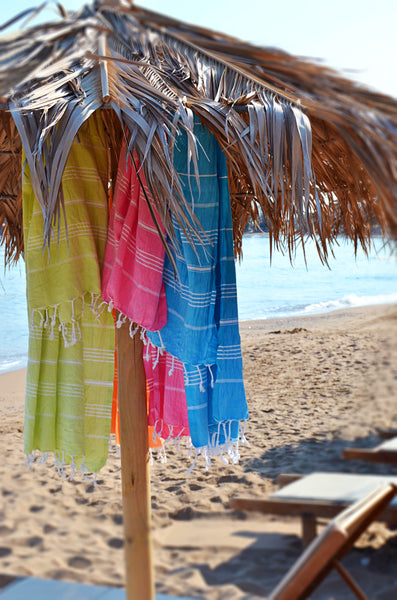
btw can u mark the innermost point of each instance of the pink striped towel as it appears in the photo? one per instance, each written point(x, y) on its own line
point(132, 279)
point(167, 397)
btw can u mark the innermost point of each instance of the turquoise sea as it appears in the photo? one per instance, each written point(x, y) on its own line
point(265, 289)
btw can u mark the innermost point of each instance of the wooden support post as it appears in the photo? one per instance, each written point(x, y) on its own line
point(309, 529)
point(135, 476)
point(104, 69)
point(353, 585)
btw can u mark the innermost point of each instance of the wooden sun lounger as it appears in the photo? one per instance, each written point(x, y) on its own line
point(319, 496)
point(386, 452)
point(325, 552)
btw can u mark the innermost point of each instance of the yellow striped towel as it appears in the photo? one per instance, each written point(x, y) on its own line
point(71, 333)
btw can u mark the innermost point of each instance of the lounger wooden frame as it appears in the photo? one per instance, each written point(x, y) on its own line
point(325, 552)
point(386, 453)
point(309, 510)
point(328, 548)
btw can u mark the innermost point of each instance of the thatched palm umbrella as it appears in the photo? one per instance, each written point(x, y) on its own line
point(315, 153)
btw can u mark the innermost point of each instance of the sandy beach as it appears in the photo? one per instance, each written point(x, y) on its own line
point(314, 384)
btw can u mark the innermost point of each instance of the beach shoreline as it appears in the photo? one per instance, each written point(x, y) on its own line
point(266, 288)
point(314, 384)
point(267, 324)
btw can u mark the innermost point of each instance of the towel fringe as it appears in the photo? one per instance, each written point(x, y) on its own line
point(59, 465)
point(49, 318)
point(121, 319)
point(29, 460)
point(157, 359)
point(171, 371)
point(147, 353)
point(243, 426)
point(162, 455)
point(64, 463)
point(177, 440)
point(227, 451)
point(201, 387)
point(160, 431)
point(43, 458)
point(133, 331)
point(192, 466)
point(84, 470)
point(171, 429)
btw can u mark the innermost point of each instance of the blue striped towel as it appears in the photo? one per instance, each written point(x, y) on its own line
point(202, 322)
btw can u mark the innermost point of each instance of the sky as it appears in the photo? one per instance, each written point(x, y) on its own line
point(356, 36)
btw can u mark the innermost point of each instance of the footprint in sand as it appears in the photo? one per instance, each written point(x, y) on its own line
point(35, 508)
point(79, 562)
point(81, 500)
point(4, 530)
point(195, 488)
point(229, 479)
point(183, 514)
point(172, 488)
point(5, 551)
point(34, 541)
point(216, 499)
point(116, 543)
point(117, 519)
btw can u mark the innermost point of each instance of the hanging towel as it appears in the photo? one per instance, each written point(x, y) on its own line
point(154, 440)
point(115, 425)
point(167, 399)
point(202, 319)
point(134, 259)
point(71, 333)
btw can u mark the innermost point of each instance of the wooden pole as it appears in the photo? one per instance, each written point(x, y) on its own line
point(135, 478)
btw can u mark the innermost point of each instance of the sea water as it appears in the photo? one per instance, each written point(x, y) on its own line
point(266, 288)
point(14, 320)
point(279, 288)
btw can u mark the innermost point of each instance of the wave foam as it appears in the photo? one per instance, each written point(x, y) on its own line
point(349, 301)
point(12, 365)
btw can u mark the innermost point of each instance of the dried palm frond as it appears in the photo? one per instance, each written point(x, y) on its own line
point(313, 152)
point(10, 189)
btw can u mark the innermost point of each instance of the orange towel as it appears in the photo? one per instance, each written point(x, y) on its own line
point(154, 440)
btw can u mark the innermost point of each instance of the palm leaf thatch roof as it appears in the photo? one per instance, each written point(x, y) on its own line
point(312, 151)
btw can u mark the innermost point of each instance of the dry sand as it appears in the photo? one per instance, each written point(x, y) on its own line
point(314, 385)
